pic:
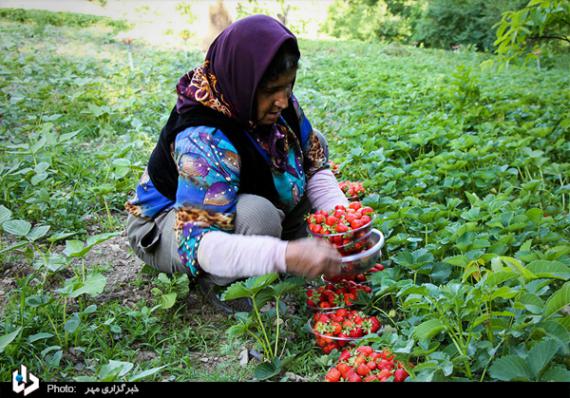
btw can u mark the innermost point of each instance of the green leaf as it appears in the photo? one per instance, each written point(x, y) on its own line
point(267, 370)
point(237, 330)
point(93, 285)
point(60, 235)
point(99, 238)
point(258, 283)
point(114, 370)
point(15, 246)
point(235, 291)
point(76, 248)
point(146, 373)
point(428, 329)
point(496, 278)
point(17, 227)
point(558, 300)
point(541, 354)
point(73, 247)
point(549, 269)
point(38, 232)
point(5, 214)
point(8, 338)
point(72, 324)
point(458, 261)
point(510, 368)
point(556, 373)
point(516, 266)
point(535, 215)
point(503, 292)
point(486, 317)
point(167, 300)
point(287, 286)
point(39, 336)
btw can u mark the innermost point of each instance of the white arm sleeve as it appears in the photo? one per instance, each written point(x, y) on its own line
point(240, 256)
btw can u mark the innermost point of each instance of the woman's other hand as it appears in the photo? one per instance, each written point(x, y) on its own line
point(312, 258)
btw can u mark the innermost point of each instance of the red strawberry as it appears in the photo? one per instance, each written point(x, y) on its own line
point(363, 370)
point(400, 375)
point(343, 368)
point(345, 355)
point(333, 375)
point(366, 350)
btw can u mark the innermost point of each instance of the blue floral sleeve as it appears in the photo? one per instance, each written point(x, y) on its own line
point(208, 182)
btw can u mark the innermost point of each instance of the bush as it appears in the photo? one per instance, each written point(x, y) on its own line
point(391, 20)
point(447, 23)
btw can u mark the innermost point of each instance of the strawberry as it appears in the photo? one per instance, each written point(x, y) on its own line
point(400, 375)
point(384, 375)
point(366, 350)
point(333, 375)
point(345, 355)
point(354, 378)
point(363, 370)
point(343, 369)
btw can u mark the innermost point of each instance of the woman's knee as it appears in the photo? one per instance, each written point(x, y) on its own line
point(256, 215)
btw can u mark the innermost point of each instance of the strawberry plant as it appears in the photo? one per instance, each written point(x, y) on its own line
point(265, 327)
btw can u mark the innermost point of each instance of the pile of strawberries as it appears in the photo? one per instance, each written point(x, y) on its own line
point(343, 326)
point(345, 227)
point(352, 190)
point(334, 296)
point(365, 364)
point(348, 229)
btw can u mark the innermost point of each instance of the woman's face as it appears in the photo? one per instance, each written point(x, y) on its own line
point(273, 98)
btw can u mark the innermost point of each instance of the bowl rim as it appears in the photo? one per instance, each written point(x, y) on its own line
point(358, 256)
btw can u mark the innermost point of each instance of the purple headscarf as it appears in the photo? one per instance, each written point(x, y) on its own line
point(234, 65)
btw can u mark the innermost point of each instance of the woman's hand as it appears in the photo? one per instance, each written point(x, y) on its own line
point(312, 258)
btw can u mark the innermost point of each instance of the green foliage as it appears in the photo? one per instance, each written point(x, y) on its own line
point(169, 289)
point(534, 31)
point(392, 20)
point(43, 18)
point(264, 326)
point(448, 23)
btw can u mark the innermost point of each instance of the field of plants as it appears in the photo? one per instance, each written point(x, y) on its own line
point(465, 164)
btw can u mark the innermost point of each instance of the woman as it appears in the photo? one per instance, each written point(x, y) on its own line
point(236, 168)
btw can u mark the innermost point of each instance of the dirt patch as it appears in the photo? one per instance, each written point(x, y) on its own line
point(125, 267)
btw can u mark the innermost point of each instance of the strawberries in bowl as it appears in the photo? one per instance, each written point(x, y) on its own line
point(332, 296)
point(364, 364)
point(345, 227)
point(358, 278)
point(341, 327)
